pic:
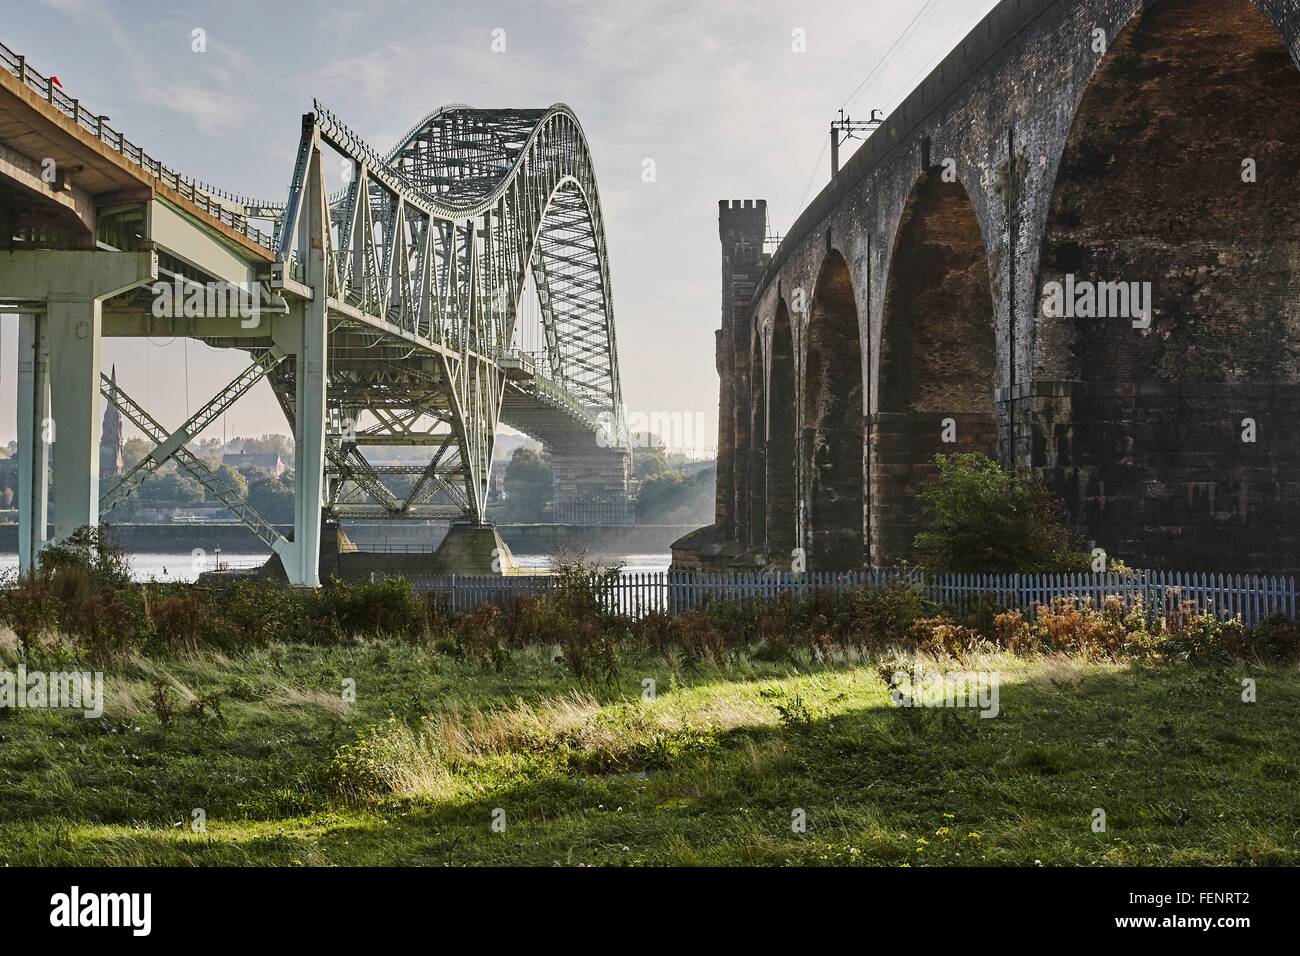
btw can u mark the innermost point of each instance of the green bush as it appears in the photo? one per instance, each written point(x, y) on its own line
point(255, 612)
point(83, 587)
point(30, 609)
point(87, 554)
point(387, 607)
point(1203, 639)
point(883, 616)
point(981, 518)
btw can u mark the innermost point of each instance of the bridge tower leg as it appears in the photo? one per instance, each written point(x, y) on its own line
point(307, 345)
point(33, 449)
point(309, 334)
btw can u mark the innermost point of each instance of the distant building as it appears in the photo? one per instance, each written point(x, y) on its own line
point(271, 463)
point(498, 479)
point(112, 441)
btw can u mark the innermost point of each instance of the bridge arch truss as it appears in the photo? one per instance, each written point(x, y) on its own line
point(390, 310)
point(427, 256)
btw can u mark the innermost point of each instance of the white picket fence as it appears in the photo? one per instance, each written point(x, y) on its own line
point(1251, 598)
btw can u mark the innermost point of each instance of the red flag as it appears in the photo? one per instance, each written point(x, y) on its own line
point(55, 81)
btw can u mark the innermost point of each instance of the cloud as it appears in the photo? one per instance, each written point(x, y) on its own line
point(712, 91)
point(211, 111)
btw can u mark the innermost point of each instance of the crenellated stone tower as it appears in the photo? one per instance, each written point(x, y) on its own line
point(742, 228)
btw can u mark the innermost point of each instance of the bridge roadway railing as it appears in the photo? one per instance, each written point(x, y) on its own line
point(95, 125)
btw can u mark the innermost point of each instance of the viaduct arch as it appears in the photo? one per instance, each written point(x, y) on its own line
point(1112, 148)
point(938, 372)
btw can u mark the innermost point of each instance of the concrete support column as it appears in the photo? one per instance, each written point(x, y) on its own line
point(33, 404)
point(303, 562)
point(58, 379)
point(311, 381)
point(74, 326)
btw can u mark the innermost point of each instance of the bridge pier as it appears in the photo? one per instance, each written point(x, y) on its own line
point(58, 381)
point(33, 405)
point(75, 424)
point(903, 446)
point(591, 486)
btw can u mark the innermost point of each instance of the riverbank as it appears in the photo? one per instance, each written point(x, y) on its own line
point(598, 541)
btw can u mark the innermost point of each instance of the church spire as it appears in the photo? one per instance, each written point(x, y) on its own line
point(112, 440)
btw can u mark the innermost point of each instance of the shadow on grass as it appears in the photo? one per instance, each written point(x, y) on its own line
point(1184, 771)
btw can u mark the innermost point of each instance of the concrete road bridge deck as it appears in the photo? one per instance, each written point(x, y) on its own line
point(385, 312)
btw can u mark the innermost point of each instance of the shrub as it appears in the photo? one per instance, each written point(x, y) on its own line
point(583, 589)
point(82, 588)
point(30, 609)
point(108, 624)
point(591, 654)
point(942, 637)
point(179, 622)
point(1202, 638)
point(535, 619)
point(477, 637)
point(87, 554)
point(697, 635)
point(884, 616)
point(1276, 640)
point(388, 606)
point(252, 612)
point(790, 706)
point(161, 699)
point(1071, 627)
point(982, 518)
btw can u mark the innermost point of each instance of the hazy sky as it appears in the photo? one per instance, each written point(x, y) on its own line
point(715, 92)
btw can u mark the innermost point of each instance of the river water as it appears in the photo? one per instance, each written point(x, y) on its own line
point(184, 567)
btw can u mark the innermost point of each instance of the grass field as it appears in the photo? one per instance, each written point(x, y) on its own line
point(713, 770)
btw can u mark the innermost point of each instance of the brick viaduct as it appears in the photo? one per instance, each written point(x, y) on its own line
point(1064, 141)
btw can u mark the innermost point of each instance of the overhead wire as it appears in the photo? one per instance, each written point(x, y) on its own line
point(864, 85)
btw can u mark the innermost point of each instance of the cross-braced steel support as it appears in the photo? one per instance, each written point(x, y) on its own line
point(213, 482)
point(175, 442)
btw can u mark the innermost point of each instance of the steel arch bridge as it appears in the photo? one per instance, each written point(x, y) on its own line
point(433, 245)
point(390, 304)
